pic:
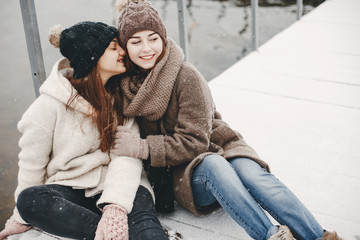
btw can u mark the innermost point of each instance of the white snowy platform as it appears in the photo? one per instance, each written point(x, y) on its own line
point(297, 102)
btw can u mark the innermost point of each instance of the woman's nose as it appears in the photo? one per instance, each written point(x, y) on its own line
point(145, 46)
point(122, 51)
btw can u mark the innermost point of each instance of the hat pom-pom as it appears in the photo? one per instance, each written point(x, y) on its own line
point(54, 35)
point(121, 4)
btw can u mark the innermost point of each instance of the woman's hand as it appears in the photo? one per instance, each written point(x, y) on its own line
point(129, 143)
point(113, 224)
point(13, 227)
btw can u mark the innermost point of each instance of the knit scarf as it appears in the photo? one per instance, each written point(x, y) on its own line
point(150, 97)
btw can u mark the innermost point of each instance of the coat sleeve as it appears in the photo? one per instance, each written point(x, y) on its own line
point(122, 178)
point(192, 131)
point(36, 127)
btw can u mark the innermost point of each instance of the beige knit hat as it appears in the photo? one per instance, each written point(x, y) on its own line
point(136, 16)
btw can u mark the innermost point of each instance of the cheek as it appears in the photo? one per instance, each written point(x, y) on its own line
point(132, 54)
point(130, 51)
point(104, 64)
point(108, 63)
point(159, 48)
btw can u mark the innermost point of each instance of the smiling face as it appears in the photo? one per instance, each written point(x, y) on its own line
point(144, 48)
point(111, 62)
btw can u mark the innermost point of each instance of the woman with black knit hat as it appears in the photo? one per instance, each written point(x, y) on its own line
point(69, 184)
point(181, 130)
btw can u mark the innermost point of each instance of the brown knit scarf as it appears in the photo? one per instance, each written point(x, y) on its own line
point(150, 97)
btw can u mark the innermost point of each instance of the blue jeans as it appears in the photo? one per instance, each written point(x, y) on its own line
point(66, 212)
point(243, 188)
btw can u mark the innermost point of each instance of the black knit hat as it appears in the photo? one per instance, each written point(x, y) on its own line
point(83, 44)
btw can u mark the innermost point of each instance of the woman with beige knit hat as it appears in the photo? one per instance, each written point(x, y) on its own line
point(180, 130)
point(69, 184)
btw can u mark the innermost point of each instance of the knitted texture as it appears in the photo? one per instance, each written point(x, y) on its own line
point(282, 234)
point(13, 227)
point(54, 35)
point(113, 224)
point(129, 143)
point(152, 98)
point(83, 44)
point(137, 16)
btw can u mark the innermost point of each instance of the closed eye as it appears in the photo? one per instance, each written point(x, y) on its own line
point(135, 42)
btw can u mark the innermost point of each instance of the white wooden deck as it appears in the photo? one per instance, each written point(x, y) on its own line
point(297, 102)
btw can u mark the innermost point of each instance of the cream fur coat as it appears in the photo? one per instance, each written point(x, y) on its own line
point(59, 146)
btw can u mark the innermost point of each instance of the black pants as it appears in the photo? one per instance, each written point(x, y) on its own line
point(66, 212)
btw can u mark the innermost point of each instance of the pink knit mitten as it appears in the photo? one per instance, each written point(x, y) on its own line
point(13, 227)
point(113, 224)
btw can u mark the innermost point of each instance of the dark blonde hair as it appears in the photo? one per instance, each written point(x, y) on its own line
point(106, 101)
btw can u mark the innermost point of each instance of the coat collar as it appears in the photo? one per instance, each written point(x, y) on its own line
point(60, 88)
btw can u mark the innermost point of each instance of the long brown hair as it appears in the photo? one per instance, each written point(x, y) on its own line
point(106, 101)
